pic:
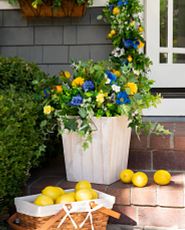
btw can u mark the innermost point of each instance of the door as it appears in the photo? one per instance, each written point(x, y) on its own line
point(165, 45)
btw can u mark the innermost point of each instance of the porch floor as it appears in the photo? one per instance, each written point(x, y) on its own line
point(149, 208)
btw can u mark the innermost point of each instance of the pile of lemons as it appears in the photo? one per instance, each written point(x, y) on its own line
point(140, 179)
point(55, 195)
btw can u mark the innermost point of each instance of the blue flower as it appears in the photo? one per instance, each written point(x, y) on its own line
point(130, 44)
point(122, 3)
point(125, 2)
point(76, 100)
point(111, 6)
point(111, 76)
point(88, 85)
point(127, 43)
point(46, 92)
point(122, 98)
point(135, 44)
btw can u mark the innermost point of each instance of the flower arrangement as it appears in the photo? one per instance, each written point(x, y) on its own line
point(116, 87)
point(54, 3)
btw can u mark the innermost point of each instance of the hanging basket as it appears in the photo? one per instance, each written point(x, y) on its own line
point(68, 9)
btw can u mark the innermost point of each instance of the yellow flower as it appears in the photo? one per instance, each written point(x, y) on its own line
point(140, 29)
point(116, 11)
point(132, 86)
point(109, 35)
point(48, 109)
point(77, 82)
point(67, 74)
point(113, 32)
point(141, 44)
point(129, 58)
point(132, 23)
point(58, 88)
point(100, 98)
point(117, 73)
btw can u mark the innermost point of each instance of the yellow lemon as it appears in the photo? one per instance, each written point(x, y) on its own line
point(126, 176)
point(83, 194)
point(65, 198)
point(52, 191)
point(94, 194)
point(83, 184)
point(71, 193)
point(162, 177)
point(140, 179)
point(43, 200)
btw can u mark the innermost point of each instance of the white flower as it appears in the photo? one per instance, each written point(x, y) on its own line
point(136, 72)
point(117, 52)
point(116, 88)
point(108, 81)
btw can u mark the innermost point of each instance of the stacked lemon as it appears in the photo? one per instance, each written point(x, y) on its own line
point(56, 195)
point(140, 179)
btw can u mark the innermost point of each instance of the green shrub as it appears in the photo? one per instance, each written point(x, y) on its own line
point(21, 74)
point(21, 139)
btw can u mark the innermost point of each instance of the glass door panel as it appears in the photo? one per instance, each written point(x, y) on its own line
point(179, 23)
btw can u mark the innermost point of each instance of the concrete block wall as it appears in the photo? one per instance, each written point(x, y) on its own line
point(54, 42)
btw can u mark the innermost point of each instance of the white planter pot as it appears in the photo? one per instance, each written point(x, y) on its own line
point(102, 162)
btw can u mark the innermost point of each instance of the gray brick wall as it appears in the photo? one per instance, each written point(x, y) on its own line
point(53, 42)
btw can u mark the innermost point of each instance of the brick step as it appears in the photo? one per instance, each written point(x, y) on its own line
point(153, 205)
point(154, 152)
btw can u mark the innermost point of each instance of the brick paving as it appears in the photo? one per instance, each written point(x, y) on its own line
point(150, 208)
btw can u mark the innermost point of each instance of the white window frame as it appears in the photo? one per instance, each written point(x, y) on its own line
point(167, 107)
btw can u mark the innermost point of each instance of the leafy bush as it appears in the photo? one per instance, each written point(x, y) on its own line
point(21, 74)
point(21, 139)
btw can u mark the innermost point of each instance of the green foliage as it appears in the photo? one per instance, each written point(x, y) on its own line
point(116, 87)
point(21, 139)
point(21, 74)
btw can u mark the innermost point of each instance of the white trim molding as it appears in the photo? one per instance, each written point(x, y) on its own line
point(167, 107)
point(4, 5)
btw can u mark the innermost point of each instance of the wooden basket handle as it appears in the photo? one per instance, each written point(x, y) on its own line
point(61, 213)
point(106, 211)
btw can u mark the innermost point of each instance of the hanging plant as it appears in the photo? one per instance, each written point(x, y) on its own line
point(53, 8)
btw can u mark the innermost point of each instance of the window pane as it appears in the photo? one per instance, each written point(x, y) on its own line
point(179, 58)
point(179, 23)
point(163, 23)
point(163, 58)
